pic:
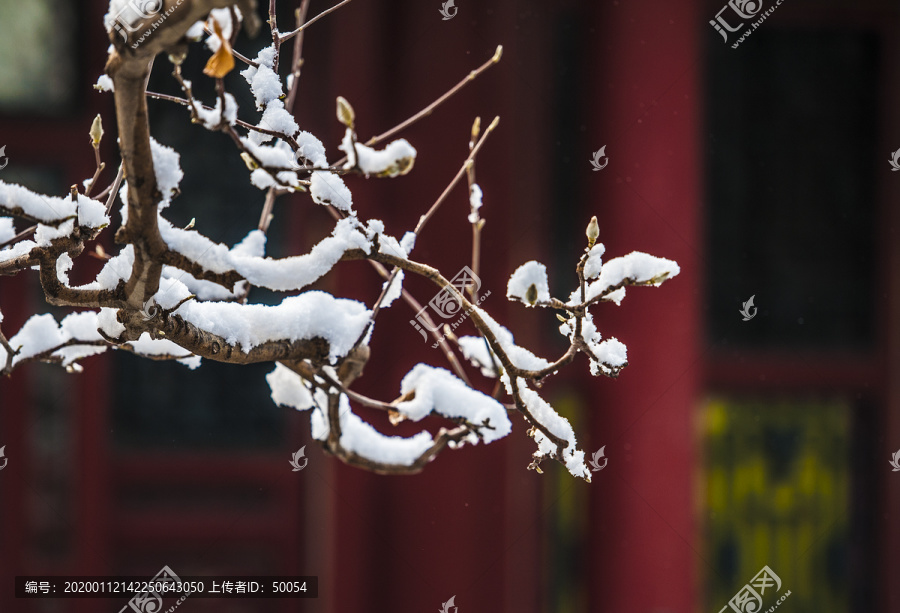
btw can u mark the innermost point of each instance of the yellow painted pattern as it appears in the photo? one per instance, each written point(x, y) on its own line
point(776, 484)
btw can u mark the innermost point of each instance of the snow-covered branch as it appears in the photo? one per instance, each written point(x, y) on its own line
point(171, 293)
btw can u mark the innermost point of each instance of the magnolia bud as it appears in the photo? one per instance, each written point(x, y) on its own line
point(476, 130)
point(178, 53)
point(96, 131)
point(345, 112)
point(593, 231)
point(249, 161)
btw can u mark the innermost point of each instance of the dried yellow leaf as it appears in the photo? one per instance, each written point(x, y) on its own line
point(222, 61)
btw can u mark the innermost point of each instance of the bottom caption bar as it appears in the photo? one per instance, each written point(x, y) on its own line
point(165, 586)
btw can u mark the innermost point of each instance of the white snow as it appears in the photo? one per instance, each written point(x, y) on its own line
point(44, 235)
point(475, 202)
point(41, 333)
point(528, 275)
point(312, 149)
point(361, 438)
point(610, 352)
point(19, 249)
point(266, 56)
point(277, 119)
point(262, 179)
point(312, 314)
point(299, 271)
point(559, 426)
point(328, 188)
point(203, 290)
point(212, 118)
point(50, 209)
point(105, 84)
point(291, 273)
point(167, 167)
point(594, 261)
point(223, 18)
point(386, 243)
point(7, 229)
point(107, 322)
point(476, 350)
point(395, 159)
point(520, 357)
point(264, 83)
point(615, 296)
point(347, 147)
point(439, 390)
point(116, 269)
point(278, 155)
point(193, 362)
point(636, 268)
point(253, 245)
point(63, 265)
point(196, 31)
point(408, 242)
point(394, 291)
point(288, 389)
point(157, 347)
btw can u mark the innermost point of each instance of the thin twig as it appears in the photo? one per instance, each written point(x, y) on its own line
point(100, 167)
point(265, 218)
point(114, 190)
point(21, 235)
point(312, 21)
point(276, 39)
point(10, 354)
point(474, 215)
point(446, 96)
point(297, 61)
point(459, 175)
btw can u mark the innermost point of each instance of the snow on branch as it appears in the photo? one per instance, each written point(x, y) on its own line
point(636, 268)
point(529, 284)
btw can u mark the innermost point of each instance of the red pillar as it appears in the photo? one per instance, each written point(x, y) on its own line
point(645, 107)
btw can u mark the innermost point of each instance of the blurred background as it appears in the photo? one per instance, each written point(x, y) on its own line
point(733, 445)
